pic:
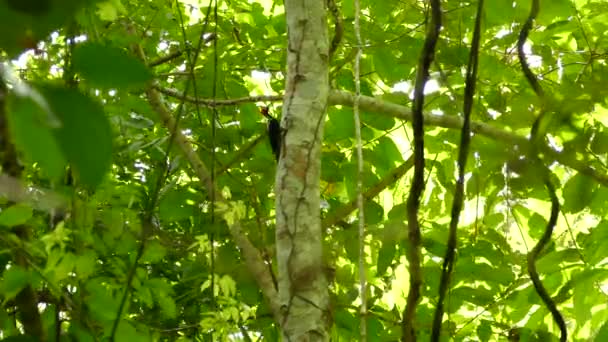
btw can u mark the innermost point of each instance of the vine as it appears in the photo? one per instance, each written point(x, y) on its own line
point(465, 141)
point(413, 201)
point(360, 207)
point(535, 138)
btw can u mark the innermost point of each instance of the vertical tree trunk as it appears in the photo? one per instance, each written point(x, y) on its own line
point(302, 283)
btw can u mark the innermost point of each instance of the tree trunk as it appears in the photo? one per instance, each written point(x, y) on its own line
point(303, 285)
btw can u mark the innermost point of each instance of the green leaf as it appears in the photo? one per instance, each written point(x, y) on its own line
point(175, 206)
point(385, 60)
point(341, 124)
point(85, 264)
point(578, 193)
point(80, 333)
point(62, 269)
point(127, 333)
point(558, 9)
point(537, 225)
point(109, 10)
point(582, 302)
point(374, 213)
point(15, 279)
point(602, 334)
point(16, 215)
point(84, 134)
point(154, 252)
point(100, 302)
point(378, 121)
point(398, 212)
point(477, 296)
point(31, 124)
point(599, 144)
point(167, 305)
point(389, 152)
point(109, 67)
point(500, 12)
point(386, 255)
point(484, 330)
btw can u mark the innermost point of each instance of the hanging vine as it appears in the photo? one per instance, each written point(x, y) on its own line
point(362, 277)
point(413, 201)
point(536, 136)
point(465, 141)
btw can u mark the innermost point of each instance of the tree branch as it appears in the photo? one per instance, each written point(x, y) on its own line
point(394, 175)
point(339, 97)
point(345, 98)
point(251, 255)
point(211, 102)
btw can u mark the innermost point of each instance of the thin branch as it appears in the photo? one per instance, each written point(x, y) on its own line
point(211, 103)
point(251, 255)
point(367, 103)
point(390, 179)
point(360, 162)
point(339, 97)
point(167, 58)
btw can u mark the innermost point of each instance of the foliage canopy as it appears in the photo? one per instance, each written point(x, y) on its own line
point(104, 185)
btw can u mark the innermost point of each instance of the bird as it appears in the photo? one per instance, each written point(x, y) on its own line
point(274, 132)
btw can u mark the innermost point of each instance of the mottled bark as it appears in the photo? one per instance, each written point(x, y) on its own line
point(303, 292)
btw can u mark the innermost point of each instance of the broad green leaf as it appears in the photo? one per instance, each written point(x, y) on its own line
point(110, 9)
point(167, 305)
point(15, 279)
point(374, 213)
point(344, 319)
point(84, 134)
point(559, 9)
point(80, 333)
point(385, 62)
point(109, 67)
point(537, 224)
point(61, 270)
point(500, 12)
point(583, 300)
point(102, 304)
point(578, 193)
point(477, 296)
point(602, 334)
point(484, 330)
point(520, 305)
point(552, 262)
point(31, 128)
point(384, 156)
point(341, 124)
point(128, 333)
point(386, 254)
point(599, 144)
point(398, 212)
point(375, 327)
point(15, 215)
point(85, 264)
point(177, 204)
point(154, 252)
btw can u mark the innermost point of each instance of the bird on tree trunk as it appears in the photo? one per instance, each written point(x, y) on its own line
point(274, 132)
